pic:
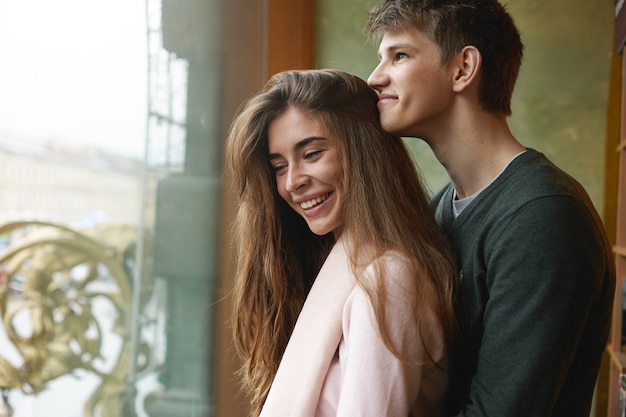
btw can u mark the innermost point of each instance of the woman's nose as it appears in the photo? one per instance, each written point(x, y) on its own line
point(296, 178)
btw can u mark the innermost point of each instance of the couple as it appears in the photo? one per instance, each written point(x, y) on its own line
point(349, 299)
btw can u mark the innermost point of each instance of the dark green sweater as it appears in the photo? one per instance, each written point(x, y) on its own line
point(537, 287)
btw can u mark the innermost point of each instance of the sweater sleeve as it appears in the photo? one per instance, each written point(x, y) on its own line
point(375, 382)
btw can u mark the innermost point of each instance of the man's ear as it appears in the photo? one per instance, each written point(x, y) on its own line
point(467, 63)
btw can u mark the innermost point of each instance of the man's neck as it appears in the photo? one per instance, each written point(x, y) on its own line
point(475, 154)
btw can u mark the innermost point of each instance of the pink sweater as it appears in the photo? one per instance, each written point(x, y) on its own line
point(336, 363)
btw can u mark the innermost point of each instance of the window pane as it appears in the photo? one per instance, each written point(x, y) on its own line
point(109, 186)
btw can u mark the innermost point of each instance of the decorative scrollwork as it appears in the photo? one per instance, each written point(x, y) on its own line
point(58, 288)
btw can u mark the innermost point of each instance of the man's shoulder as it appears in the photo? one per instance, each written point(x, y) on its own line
point(533, 176)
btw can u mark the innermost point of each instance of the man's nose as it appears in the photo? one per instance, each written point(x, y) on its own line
point(377, 78)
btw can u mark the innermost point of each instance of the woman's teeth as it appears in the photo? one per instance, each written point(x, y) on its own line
point(312, 203)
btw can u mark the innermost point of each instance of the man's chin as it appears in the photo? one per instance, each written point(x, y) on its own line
point(391, 127)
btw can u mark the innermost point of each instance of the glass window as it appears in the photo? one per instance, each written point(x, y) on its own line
point(110, 171)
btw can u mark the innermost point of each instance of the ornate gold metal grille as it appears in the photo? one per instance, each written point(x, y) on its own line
point(52, 279)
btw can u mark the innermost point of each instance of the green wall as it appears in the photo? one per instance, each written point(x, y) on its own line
point(560, 102)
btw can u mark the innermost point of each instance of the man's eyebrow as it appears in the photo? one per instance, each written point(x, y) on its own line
point(396, 46)
point(299, 145)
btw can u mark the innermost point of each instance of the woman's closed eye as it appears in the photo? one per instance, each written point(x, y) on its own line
point(279, 167)
point(313, 154)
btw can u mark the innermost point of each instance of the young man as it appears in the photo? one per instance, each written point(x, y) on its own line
point(536, 268)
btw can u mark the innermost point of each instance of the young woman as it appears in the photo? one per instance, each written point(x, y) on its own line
point(343, 297)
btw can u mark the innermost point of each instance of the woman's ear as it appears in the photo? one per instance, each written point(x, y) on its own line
point(467, 63)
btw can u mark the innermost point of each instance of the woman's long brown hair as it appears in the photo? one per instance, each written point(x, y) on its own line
point(385, 208)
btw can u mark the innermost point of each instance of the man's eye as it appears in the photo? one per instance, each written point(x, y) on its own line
point(400, 56)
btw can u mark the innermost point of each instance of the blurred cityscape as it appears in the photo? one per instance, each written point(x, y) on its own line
point(76, 186)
